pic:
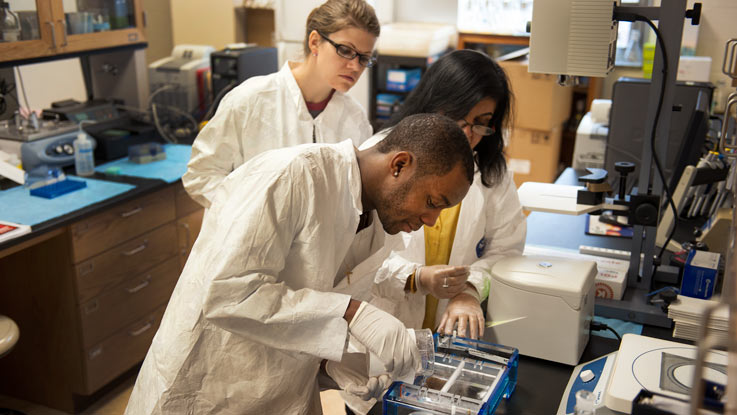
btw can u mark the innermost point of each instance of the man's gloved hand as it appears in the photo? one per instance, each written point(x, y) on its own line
point(351, 375)
point(465, 310)
point(443, 281)
point(388, 339)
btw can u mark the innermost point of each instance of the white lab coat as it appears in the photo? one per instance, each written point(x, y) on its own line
point(252, 314)
point(264, 113)
point(490, 226)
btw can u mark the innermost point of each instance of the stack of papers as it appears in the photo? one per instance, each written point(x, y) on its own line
point(10, 230)
point(686, 312)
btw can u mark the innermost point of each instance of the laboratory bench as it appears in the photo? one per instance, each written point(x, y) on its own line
point(88, 290)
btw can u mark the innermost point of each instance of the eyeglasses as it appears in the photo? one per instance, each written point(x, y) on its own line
point(482, 130)
point(349, 53)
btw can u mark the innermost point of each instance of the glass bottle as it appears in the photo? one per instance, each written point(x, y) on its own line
point(9, 23)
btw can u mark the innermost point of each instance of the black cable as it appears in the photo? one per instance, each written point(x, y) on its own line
point(6, 90)
point(658, 165)
point(22, 88)
point(216, 101)
point(596, 326)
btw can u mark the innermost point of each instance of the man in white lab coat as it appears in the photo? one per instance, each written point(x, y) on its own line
point(253, 315)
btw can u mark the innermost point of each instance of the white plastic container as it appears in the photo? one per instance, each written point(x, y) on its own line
point(84, 160)
point(542, 305)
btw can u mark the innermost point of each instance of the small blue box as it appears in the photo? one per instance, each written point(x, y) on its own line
point(59, 188)
point(469, 377)
point(700, 274)
point(402, 80)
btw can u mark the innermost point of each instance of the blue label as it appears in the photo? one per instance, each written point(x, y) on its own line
point(480, 247)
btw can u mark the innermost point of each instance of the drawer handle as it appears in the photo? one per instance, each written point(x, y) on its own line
point(91, 307)
point(81, 228)
point(137, 249)
point(131, 212)
point(86, 268)
point(185, 251)
point(140, 331)
point(140, 286)
point(95, 352)
point(53, 34)
point(64, 31)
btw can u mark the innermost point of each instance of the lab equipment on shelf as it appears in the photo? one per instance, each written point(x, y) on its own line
point(39, 142)
point(9, 24)
point(469, 376)
point(402, 80)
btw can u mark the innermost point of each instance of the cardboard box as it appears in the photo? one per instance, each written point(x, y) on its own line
point(539, 102)
point(532, 155)
point(694, 68)
point(700, 274)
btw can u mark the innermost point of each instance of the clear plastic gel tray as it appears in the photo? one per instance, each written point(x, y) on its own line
point(468, 377)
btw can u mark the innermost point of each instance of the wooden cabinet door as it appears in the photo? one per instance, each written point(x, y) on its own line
point(98, 24)
point(39, 36)
point(69, 27)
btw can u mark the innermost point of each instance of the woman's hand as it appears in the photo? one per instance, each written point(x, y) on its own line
point(443, 281)
point(465, 310)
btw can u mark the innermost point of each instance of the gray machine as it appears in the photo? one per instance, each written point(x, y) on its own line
point(687, 127)
point(232, 66)
point(39, 142)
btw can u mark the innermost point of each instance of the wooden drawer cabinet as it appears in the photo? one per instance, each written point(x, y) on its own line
point(120, 223)
point(90, 299)
point(107, 313)
point(121, 351)
point(104, 271)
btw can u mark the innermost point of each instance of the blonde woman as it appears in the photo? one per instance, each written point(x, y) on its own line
point(305, 102)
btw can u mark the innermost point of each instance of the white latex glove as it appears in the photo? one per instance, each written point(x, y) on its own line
point(443, 281)
point(351, 375)
point(388, 339)
point(465, 310)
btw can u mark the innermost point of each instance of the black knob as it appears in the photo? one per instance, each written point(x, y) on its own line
point(623, 168)
point(646, 213)
point(668, 296)
point(694, 14)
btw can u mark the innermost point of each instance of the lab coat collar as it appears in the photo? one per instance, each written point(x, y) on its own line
point(294, 92)
point(468, 224)
point(354, 173)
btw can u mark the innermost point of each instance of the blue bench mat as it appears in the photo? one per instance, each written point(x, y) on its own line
point(20, 207)
point(169, 170)
point(620, 326)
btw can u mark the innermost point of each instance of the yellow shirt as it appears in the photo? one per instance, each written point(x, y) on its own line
point(438, 244)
